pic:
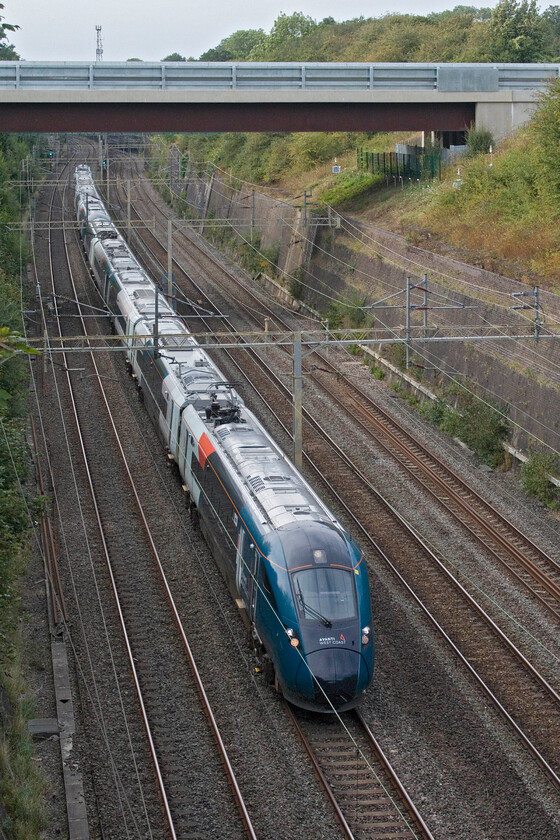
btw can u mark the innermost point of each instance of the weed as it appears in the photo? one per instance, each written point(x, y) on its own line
point(377, 372)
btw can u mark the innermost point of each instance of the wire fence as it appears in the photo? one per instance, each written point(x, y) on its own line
point(420, 166)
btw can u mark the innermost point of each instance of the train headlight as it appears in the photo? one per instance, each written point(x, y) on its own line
point(294, 641)
point(366, 635)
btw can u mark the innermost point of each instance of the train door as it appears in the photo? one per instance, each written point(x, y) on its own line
point(131, 343)
point(173, 417)
point(106, 279)
point(246, 571)
point(182, 449)
point(191, 464)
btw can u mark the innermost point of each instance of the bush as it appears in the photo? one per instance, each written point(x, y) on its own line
point(347, 312)
point(483, 427)
point(377, 372)
point(397, 355)
point(535, 478)
point(435, 411)
point(296, 286)
point(479, 141)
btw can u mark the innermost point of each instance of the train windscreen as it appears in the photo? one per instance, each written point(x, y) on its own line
point(325, 595)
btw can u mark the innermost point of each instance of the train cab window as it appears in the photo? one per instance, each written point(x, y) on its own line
point(325, 594)
point(266, 586)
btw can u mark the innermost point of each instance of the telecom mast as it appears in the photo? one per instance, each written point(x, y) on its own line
point(99, 50)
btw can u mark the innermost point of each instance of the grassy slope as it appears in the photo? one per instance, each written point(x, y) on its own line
point(504, 216)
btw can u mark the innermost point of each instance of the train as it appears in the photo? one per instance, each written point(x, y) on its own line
point(299, 579)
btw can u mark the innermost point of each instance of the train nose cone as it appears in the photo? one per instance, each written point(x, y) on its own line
point(336, 675)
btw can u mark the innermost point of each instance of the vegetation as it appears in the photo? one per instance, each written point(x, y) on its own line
point(345, 188)
point(507, 206)
point(347, 313)
point(516, 33)
point(7, 51)
point(512, 31)
point(466, 33)
point(481, 425)
point(21, 785)
point(236, 47)
point(479, 141)
point(535, 478)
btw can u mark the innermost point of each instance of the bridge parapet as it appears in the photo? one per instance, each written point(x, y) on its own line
point(133, 75)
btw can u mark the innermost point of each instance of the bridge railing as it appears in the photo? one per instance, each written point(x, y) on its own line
point(31, 75)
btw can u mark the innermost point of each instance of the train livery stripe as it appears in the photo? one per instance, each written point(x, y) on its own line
point(205, 449)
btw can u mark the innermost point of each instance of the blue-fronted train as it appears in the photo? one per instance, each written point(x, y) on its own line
point(299, 578)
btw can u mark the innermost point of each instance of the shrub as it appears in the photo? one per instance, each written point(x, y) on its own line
point(479, 141)
point(296, 287)
point(347, 312)
point(535, 478)
point(377, 372)
point(397, 355)
point(435, 411)
point(483, 427)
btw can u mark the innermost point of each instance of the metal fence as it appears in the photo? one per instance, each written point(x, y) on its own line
point(416, 167)
point(245, 75)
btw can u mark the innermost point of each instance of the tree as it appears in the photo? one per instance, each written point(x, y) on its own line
point(4, 27)
point(516, 32)
point(286, 40)
point(551, 27)
point(236, 47)
point(545, 132)
point(174, 57)
point(7, 51)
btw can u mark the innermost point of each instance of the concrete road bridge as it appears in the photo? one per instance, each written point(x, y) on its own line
point(243, 96)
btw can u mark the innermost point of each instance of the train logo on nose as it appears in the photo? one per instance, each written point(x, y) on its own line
point(332, 640)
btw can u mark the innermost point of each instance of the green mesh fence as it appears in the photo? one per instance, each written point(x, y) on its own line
point(396, 165)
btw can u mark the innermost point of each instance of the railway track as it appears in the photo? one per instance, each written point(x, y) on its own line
point(368, 798)
point(168, 688)
point(386, 807)
point(508, 678)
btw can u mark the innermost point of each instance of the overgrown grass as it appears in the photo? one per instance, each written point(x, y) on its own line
point(343, 189)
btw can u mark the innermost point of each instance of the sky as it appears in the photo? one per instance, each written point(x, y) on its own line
point(64, 30)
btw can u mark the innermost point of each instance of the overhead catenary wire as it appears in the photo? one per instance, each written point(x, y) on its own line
point(372, 277)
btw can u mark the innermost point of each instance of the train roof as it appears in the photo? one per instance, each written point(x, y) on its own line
point(273, 484)
point(273, 481)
